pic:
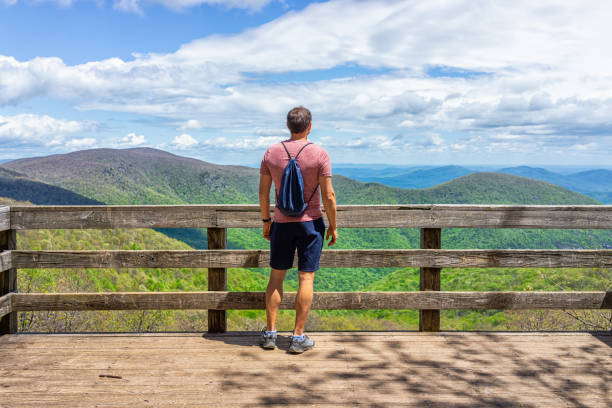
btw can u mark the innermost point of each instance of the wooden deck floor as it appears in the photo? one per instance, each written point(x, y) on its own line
point(344, 369)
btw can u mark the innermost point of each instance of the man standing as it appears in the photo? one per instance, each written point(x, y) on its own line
point(304, 233)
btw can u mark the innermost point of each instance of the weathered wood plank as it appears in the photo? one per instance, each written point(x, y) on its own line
point(5, 261)
point(6, 305)
point(432, 258)
point(464, 371)
point(8, 280)
point(429, 320)
point(217, 280)
point(113, 216)
point(436, 217)
point(5, 217)
point(378, 216)
point(322, 300)
point(370, 369)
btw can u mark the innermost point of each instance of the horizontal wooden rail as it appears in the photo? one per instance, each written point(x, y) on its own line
point(6, 258)
point(430, 218)
point(233, 258)
point(6, 304)
point(321, 300)
point(369, 216)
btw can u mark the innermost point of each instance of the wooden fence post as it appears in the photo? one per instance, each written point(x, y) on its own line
point(8, 281)
point(429, 320)
point(217, 280)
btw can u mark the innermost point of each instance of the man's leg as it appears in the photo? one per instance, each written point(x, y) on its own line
point(303, 300)
point(274, 295)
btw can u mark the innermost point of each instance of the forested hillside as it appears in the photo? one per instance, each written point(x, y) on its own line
point(142, 175)
point(114, 280)
point(194, 279)
point(595, 183)
point(150, 176)
point(404, 177)
point(21, 187)
point(146, 175)
point(477, 188)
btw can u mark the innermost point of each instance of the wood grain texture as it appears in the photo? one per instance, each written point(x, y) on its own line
point(356, 369)
point(217, 280)
point(322, 300)
point(232, 258)
point(373, 216)
point(5, 217)
point(5, 260)
point(6, 304)
point(8, 280)
point(429, 320)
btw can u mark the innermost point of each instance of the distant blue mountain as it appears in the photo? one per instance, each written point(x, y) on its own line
point(541, 174)
point(365, 172)
point(594, 183)
point(424, 178)
point(406, 177)
point(5, 160)
point(601, 178)
point(604, 198)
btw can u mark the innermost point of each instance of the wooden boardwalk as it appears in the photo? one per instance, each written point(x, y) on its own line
point(372, 369)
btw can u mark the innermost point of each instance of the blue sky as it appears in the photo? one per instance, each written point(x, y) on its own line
point(395, 82)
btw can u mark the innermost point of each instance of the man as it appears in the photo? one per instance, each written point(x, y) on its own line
point(304, 233)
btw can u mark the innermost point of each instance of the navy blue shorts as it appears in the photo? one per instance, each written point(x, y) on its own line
point(306, 236)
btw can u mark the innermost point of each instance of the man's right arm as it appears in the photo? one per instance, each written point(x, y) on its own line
point(329, 203)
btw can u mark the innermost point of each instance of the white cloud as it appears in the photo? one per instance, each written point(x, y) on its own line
point(184, 141)
point(374, 142)
point(81, 143)
point(539, 75)
point(222, 143)
point(432, 140)
point(585, 146)
point(276, 132)
point(30, 129)
point(240, 143)
point(132, 139)
point(191, 124)
point(507, 136)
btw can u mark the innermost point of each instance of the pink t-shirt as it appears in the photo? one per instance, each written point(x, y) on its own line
point(314, 161)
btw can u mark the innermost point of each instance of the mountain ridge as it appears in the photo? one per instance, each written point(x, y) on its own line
point(20, 187)
point(129, 176)
point(596, 183)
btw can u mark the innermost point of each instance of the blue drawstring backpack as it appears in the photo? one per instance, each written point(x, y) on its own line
point(290, 196)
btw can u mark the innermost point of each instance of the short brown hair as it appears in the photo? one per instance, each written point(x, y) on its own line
point(298, 119)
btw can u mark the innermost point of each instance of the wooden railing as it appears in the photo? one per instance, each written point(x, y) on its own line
point(217, 218)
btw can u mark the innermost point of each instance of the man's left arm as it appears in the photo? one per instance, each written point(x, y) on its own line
point(265, 183)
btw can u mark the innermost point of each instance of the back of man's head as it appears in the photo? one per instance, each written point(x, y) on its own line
point(298, 119)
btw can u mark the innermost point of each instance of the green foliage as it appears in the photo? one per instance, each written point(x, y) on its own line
point(150, 176)
point(477, 188)
point(142, 175)
point(22, 188)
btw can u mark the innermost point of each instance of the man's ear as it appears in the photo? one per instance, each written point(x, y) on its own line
point(309, 126)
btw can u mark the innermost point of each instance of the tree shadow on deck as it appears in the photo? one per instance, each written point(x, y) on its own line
point(446, 369)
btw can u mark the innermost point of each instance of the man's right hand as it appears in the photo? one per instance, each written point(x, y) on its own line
point(266, 230)
point(333, 234)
